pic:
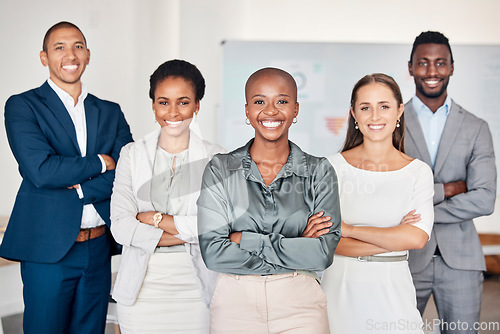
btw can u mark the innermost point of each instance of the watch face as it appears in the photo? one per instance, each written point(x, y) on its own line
point(157, 219)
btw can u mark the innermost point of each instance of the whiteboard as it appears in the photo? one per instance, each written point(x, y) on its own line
point(325, 74)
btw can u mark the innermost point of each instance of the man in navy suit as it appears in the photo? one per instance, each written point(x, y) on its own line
point(66, 143)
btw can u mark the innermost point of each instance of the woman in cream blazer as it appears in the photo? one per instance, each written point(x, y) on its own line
point(162, 283)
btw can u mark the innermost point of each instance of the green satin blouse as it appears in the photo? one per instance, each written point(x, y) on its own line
point(234, 198)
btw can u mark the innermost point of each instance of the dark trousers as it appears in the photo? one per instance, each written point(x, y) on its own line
point(72, 295)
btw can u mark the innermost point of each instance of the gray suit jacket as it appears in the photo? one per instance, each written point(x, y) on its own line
point(465, 153)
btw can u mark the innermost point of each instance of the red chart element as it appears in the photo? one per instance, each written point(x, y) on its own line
point(335, 124)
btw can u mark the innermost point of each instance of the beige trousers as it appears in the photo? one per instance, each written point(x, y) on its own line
point(254, 304)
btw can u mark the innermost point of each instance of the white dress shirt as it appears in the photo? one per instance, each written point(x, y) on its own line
point(90, 217)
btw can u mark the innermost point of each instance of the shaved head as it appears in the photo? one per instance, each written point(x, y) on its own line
point(271, 72)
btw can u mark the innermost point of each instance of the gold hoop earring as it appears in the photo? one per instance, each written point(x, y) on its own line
point(356, 125)
point(247, 121)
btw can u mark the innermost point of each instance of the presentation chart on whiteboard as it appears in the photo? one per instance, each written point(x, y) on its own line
point(325, 74)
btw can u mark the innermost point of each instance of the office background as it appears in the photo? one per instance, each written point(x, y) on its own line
point(128, 39)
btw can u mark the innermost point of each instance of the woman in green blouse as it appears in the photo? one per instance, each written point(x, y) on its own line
point(268, 219)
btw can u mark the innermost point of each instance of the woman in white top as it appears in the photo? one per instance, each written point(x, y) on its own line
point(163, 285)
point(386, 209)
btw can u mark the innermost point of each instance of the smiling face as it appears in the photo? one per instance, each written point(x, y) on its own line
point(431, 68)
point(66, 57)
point(271, 105)
point(174, 105)
point(376, 110)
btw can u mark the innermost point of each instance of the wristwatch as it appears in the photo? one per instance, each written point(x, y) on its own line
point(157, 219)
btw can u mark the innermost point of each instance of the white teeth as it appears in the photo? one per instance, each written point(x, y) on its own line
point(375, 127)
point(270, 124)
point(70, 67)
point(173, 123)
point(432, 82)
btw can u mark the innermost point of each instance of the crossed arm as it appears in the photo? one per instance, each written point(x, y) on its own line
point(244, 252)
point(475, 196)
point(411, 233)
point(370, 240)
point(166, 224)
point(131, 227)
point(45, 167)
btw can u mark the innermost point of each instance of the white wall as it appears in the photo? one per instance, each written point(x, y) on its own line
point(130, 38)
point(204, 24)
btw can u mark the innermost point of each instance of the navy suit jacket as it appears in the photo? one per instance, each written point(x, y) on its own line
point(46, 217)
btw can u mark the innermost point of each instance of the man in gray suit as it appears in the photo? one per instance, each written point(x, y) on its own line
point(458, 147)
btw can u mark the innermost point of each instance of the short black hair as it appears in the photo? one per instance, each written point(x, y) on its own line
point(178, 68)
point(60, 25)
point(428, 37)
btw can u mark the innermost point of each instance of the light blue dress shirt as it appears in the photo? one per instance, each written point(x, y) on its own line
point(432, 124)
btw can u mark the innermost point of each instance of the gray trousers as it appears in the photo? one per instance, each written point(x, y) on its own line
point(457, 295)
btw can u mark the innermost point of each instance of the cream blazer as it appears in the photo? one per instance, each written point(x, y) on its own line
point(131, 195)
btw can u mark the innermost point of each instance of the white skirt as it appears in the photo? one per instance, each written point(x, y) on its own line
point(169, 300)
point(370, 297)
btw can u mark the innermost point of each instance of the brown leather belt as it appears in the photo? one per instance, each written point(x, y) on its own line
point(90, 233)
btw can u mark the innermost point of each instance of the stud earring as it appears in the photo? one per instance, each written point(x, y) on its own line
point(356, 125)
point(397, 123)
